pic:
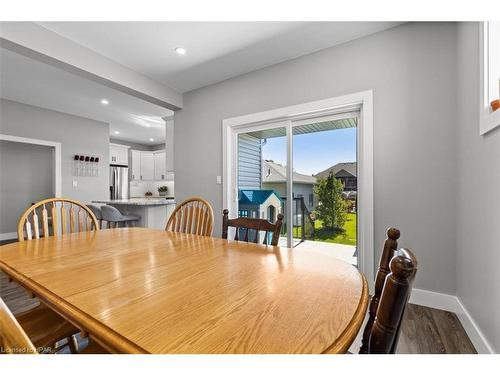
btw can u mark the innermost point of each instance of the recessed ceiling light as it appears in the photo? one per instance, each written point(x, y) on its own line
point(105, 101)
point(151, 139)
point(116, 132)
point(180, 51)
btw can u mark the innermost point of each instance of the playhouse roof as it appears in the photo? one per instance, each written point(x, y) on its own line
point(256, 197)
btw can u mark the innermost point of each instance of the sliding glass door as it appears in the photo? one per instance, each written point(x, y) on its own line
point(324, 186)
point(306, 169)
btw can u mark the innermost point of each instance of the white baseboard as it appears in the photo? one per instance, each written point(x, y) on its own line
point(8, 236)
point(433, 299)
point(453, 304)
point(475, 334)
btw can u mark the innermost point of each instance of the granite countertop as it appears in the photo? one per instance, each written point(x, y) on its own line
point(153, 197)
point(138, 201)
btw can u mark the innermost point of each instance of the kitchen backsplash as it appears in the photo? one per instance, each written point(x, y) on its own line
point(139, 188)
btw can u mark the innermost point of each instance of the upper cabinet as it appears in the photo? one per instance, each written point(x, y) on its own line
point(160, 162)
point(135, 173)
point(169, 146)
point(147, 165)
point(118, 154)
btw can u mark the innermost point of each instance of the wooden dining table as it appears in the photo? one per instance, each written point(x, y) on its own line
point(140, 290)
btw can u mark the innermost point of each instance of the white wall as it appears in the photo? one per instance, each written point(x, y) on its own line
point(77, 135)
point(412, 70)
point(478, 234)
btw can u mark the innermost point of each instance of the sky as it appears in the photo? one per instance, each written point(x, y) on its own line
point(314, 152)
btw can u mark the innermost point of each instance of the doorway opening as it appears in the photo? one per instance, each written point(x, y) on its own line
point(34, 170)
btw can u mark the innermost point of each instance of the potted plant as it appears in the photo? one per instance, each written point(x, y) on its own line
point(163, 190)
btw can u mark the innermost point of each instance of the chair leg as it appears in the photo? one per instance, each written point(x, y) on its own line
point(73, 344)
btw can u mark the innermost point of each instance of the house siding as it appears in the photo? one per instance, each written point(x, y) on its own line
point(249, 162)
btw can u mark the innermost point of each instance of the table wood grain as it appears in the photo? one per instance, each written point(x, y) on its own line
point(139, 290)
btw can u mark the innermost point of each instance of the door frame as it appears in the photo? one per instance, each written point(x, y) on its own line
point(361, 102)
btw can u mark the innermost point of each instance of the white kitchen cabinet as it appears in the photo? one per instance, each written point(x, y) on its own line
point(118, 154)
point(147, 165)
point(136, 166)
point(160, 161)
point(170, 145)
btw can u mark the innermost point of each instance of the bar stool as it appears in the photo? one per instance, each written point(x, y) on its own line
point(114, 217)
point(97, 212)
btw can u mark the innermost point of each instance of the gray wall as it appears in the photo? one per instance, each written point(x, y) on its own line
point(77, 135)
point(478, 234)
point(26, 176)
point(412, 70)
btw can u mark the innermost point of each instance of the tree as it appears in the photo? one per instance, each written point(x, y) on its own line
point(331, 207)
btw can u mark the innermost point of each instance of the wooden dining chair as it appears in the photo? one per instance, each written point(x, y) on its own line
point(55, 216)
point(385, 330)
point(38, 328)
point(245, 224)
point(13, 339)
point(194, 215)
point(390, 246)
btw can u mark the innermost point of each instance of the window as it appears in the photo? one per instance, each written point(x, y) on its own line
point(490, 75)
point(311, 199)
point(493, 60)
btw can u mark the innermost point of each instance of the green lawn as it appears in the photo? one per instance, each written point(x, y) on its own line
point(325, 235)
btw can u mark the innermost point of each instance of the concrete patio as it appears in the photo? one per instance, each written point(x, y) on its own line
point(344, 252)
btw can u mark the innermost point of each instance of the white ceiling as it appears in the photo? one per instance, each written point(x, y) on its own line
point(215, 50)
point(25, 80)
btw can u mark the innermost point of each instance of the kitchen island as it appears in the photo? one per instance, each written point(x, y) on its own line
point(154, 212)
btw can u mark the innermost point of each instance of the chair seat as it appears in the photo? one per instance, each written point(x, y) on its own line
point(112, 214)
point(45, 327)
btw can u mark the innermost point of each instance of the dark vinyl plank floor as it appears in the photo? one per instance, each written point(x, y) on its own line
point(424, 330)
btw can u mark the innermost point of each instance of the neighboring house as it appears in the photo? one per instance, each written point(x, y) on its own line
point(249, 162)
point(274, 178)
point(345, 172)
point(263, 204)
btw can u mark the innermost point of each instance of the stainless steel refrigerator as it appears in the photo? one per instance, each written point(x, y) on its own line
point(118, 182)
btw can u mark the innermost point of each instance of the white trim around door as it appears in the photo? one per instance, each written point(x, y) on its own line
point(362, 103)
point(57, 184)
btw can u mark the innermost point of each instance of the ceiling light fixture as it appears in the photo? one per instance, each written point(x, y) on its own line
point(116, 132)
point(180, 51)
point(104, 101)
point(151, 139)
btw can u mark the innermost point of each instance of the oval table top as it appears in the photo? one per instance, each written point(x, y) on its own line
point(139, 290)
